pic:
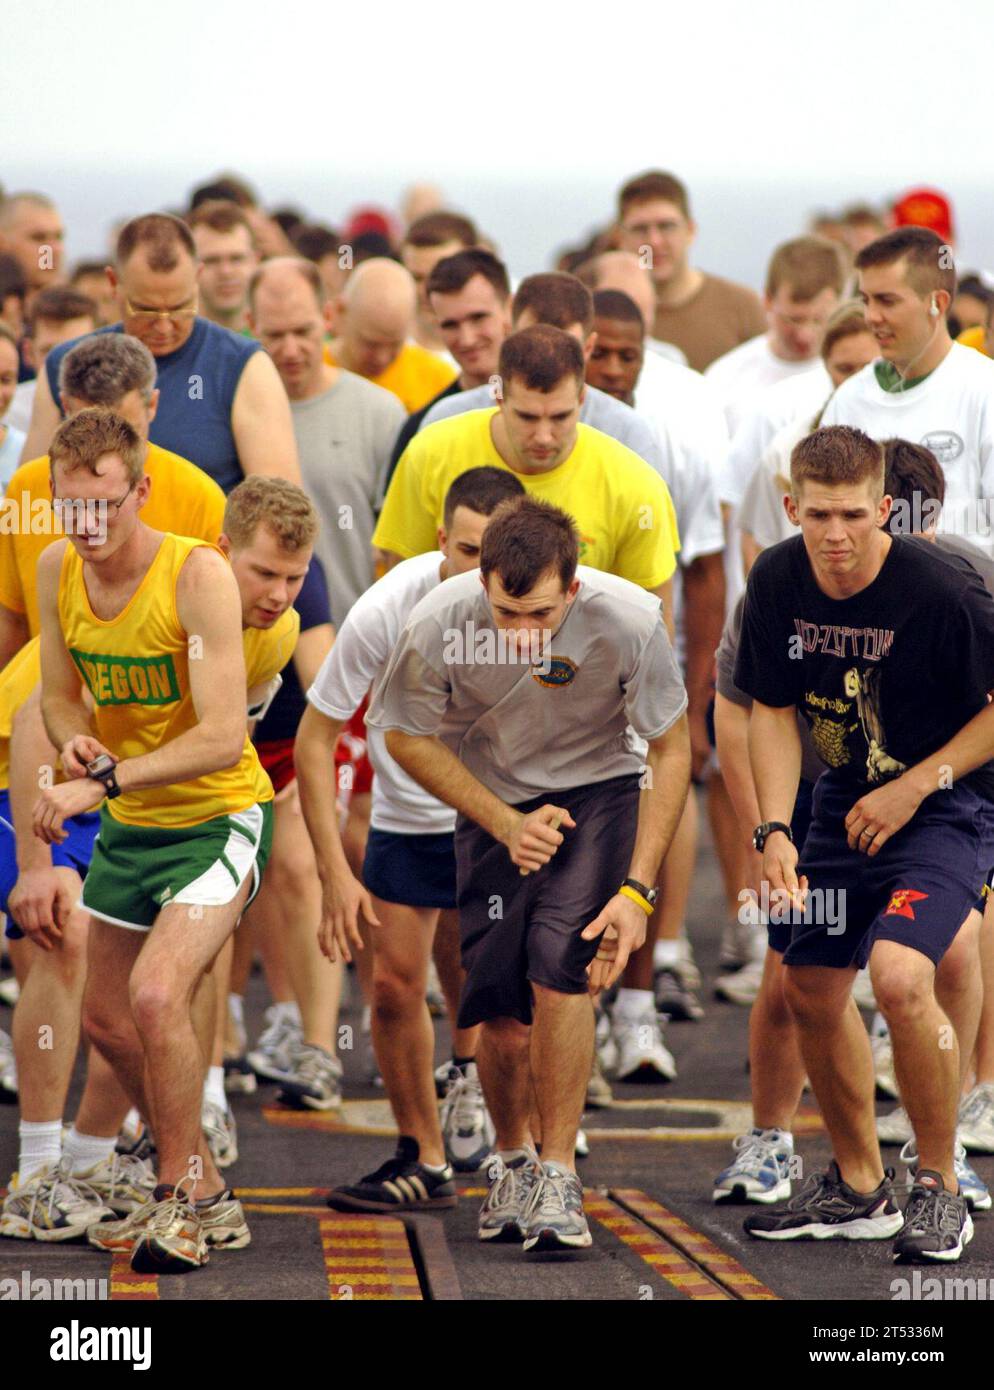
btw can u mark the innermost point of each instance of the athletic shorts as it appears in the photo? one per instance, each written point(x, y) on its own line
point(985, 893)
point(276, 756)
point(416, 870)
point(138, 870)
point(778, 933)
point(74, 853)
point(916, 891)
point(350, 752)
point(516, 931)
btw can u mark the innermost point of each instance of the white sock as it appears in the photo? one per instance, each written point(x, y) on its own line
point(633, 1003)
point(236, 1007)
point(214, 1087)
point(39, 1146)
point(87, 1150)
point(666, 953)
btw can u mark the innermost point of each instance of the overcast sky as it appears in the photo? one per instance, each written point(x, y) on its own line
point(769, 91)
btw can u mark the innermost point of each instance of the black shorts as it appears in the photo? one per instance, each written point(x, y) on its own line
point(917, 891)
point(415, 870)
point(778, 933)
point(517, 930)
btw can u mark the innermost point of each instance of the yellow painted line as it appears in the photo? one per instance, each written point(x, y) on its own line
point(383, 1270)
point(666, 1262)
point(283, 1191)
point(718, 1263)
point(126, 1285)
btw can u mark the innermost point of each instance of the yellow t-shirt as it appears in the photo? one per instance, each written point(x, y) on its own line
point(183, 500)
point(137, 668)
point(621, 506)
point(17, 680)
point(415, 376)
point(974, 338)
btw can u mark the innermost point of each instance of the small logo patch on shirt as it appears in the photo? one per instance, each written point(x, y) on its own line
point(900, 903)
point(561, 671)
point(946, 445)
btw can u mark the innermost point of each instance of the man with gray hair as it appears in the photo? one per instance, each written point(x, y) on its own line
point(114, 370)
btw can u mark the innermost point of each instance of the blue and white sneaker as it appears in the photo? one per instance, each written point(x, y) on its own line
point(971, 1185)
point(467, 1129)
point(553, 1217)
point(761, 1170)
point(511, 1185)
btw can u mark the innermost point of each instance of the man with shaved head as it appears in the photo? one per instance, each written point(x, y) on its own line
point(221, 403)
point(623, 271)
point(31, 231)
point(375, 321)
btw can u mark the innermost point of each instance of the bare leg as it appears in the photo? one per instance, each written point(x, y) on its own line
point(959, 989)
point(728, 843)
point(562, 1051)
point(403, 1035)
point(505, 1075)
point(104, 1103)
point(926, 1051)
point(677, 873)
point(107, 1018)
point(984, 1068)
point(448, 962)
point(776, 1067)
point(836, 1051)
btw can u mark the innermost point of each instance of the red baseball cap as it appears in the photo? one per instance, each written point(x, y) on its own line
point(925, 207)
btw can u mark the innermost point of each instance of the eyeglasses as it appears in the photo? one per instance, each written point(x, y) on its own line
point(188, 310)
point(70, 507)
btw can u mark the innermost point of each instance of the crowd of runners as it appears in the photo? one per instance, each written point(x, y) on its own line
point(390, 622)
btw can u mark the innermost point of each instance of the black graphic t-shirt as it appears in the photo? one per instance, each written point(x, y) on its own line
point(883, 678)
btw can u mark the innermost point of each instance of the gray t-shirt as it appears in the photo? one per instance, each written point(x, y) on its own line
point(599, 410)
point(607, 681)
point(344, 437)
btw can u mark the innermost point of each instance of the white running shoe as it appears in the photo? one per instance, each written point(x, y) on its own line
point(122, 1182)
point(221, 1133)
point(642, 1054)
point(467, 1128)
point(604, 1042)
point(272, 1056)
point(894, 1128)
point(51, 1205)
point(316, 1079)
point(743, 986)
point(8, 1066)
point(975, 1128)
point(738, 943)
point(883, 1065)
point(760, 1171)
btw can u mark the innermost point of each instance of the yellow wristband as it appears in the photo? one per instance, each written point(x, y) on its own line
point(637, 897)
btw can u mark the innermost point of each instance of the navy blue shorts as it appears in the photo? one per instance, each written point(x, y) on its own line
point(917, 891)
point(778, 933)
point(414, 870)
point(517, 930)
point(74, 853)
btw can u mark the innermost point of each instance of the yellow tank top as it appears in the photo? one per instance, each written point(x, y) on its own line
point(136, 667)
point(17, 680)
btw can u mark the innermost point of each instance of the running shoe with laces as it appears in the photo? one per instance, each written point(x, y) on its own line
point(511, 1184)
point(937, 1225)
point(760, 1171)
point(442, 1075)
point(827, 1208)
point(51, 1205)
point(467, 1128)
point(674, 997)
point(239, 1078)
point(883, 1066)
point(975, 1128)
point(971, 1185)
point(553, 1217)
point(171, 1239)
point(599, 1096)
point(8, 1067)
point(316, 1079)
point(400, 1184)
point(642, 1054)
point(221, 1133)
point(272, 1056)
point(222, 1219)
point(742, 987)
point(122, 1182)
point(604, 1041)
point(894, 1128)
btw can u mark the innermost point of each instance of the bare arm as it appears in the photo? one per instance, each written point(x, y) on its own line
point(44, 421)
point(775, 757)
point(704, 610)
point(309, 654)
point(262, 423)
point(64, 711)
point(13, 634)
point(661, 800)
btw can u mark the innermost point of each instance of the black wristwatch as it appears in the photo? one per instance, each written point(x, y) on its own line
point(102, 770)
point(762, 833)
point(650, 894)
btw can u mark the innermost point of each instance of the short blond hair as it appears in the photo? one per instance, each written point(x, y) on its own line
point(284, 507)
point(93, 434)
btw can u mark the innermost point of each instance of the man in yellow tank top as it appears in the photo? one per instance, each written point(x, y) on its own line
point(151, 623)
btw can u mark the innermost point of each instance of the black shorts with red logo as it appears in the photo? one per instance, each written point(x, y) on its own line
point(917, 891)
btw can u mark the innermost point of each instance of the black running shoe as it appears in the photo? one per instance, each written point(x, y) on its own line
point(827, 1208)
point(937, 1225)
point(400, 1184)
point(674, 998)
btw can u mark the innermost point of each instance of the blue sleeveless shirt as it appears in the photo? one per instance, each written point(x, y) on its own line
point(197, 385)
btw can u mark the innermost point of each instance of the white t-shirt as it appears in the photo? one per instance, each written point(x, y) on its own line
point(762, 513)
point(358, 660)
point(952, 413)
point(798, 397)
point(19, 410)
point(742, 374)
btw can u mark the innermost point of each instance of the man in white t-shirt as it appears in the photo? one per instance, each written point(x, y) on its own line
point(925, 387)
point(409, 872)
point(803, 285)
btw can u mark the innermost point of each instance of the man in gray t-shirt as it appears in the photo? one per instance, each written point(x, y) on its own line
point(344, 425)
point(524, 696)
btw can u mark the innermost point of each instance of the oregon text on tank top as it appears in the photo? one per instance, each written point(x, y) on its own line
point(136, 667)
point(197, 385)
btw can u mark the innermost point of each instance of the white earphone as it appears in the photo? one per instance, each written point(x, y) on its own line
point(934, 310)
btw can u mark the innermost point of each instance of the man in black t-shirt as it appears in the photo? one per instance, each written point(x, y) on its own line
point(887, 650)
